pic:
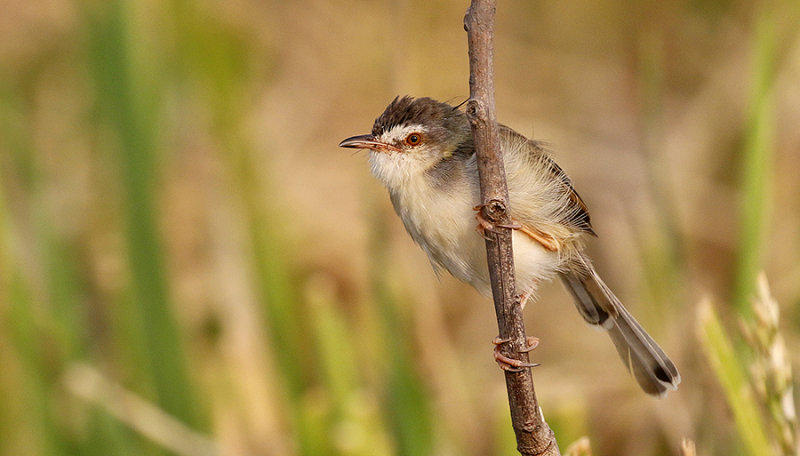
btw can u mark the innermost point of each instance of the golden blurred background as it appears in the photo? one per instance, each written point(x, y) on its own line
point(189, 265)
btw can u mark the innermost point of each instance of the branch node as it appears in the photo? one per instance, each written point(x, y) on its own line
point(534, 437)
point(495, 210)
point(474, 111)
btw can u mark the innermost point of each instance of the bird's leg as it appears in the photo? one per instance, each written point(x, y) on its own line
point(485, 225)
point(548, 241)
point(511, 364)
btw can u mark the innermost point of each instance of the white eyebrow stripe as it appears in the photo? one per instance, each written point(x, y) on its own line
point(399, 132)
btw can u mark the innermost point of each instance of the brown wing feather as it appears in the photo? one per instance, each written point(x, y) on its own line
point(574, 217)
point(577, 214)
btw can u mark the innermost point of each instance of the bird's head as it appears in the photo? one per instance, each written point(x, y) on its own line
point(412, 136)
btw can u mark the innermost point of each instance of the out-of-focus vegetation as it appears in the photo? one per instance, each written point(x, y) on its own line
point(189, 265)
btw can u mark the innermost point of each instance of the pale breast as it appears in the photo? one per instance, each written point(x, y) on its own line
point(445, 227)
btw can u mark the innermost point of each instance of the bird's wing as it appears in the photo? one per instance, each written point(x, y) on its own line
point(567, 213)
point(576, 214)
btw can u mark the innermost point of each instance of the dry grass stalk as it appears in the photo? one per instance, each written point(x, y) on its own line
point(580, 447)
point(688, 448)
point(771, 371)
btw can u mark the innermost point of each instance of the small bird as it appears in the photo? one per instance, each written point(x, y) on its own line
point(422, 150)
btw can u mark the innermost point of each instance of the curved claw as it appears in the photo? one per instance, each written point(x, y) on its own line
point(532, 342)
point(511, 364)
point(485, 225)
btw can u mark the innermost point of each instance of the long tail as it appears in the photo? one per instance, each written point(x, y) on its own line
point(651, 367)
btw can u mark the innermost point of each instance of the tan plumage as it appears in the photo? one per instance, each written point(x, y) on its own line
point(422, 151)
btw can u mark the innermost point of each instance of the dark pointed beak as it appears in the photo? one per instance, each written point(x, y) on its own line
point(368, 142)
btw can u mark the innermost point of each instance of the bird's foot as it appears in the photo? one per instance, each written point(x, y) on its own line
point(511, 364)
point(532, 342)
point(485, 225)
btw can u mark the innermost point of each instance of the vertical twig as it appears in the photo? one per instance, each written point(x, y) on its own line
point(534, 436)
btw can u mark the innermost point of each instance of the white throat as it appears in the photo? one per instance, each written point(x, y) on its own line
point(396, 169)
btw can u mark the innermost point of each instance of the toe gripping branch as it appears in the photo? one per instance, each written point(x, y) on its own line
point(494, 208)
point(511, 364)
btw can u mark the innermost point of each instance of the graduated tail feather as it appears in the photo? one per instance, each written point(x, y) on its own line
point(651, 367)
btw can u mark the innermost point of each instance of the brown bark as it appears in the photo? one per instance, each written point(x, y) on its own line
point(534, 436)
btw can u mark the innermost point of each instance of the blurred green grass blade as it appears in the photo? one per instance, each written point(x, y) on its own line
point(505, 439)
point(127, 93)
point(568, 420)
point(64, 288)
point(24, 392)
point(283, 310)
point(313, 424)
point(731, 374)
point(333, 342)
point(283, 315)
point(215, 58)
point(34, 388)
point(214, 53)
point(335, 359)
point(407, 404)
point(353, 426)
point(215, 61)
point(16, 133)
point(66, 334)
point(276, 285)
point(41, 331)
point(107, 436)
point(662, 246)
point(756, 164)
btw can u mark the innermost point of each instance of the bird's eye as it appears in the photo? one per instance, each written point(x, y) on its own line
point(414, 139)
